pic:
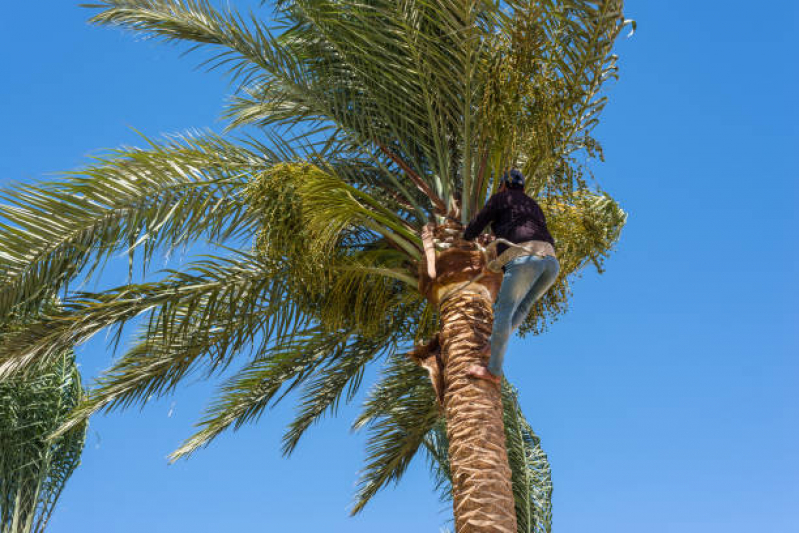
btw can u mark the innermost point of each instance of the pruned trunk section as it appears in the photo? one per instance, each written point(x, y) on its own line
point(482, 489)
point(456, 280)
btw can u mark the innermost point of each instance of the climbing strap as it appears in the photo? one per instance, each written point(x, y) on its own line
point(517, 250)
point(539, 248)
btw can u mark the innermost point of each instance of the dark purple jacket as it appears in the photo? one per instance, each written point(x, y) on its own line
point(513, 216)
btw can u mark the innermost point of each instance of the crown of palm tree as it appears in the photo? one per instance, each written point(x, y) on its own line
point(373, 119)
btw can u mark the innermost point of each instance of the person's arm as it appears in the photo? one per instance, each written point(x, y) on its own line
point(483, 218)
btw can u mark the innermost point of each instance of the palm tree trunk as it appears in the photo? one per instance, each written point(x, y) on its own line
point(482, 489)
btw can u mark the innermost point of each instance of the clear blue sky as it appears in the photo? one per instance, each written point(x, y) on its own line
point(666, 398)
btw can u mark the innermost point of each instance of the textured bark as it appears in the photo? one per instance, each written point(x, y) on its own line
point(482, 489)
point(481, 477)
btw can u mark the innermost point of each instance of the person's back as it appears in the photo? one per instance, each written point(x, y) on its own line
point(513, 216)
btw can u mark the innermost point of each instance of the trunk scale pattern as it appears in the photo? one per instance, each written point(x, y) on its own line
point(482, 491)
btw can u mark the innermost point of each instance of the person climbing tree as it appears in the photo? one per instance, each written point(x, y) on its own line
point(529, 269)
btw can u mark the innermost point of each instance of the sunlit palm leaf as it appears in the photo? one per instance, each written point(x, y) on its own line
point(532, 481)
point(156, 365)
point(549, 69)
point(184, 300)
point(173, 193)
point(247, 394)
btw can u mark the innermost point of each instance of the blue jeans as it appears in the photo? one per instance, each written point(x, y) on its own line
point(526, 280)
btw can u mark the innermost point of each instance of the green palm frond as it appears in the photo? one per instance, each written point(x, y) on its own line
point(156, 365)
point(383, 73)
point(325, 389)
point(426, 59)
point(531, 475)
point(247, 394)
point(177, 305)
point(177, 191)
point(549, 69)
point(33, 468)
point(243, 44)
point(580, 42)
point(398, 414)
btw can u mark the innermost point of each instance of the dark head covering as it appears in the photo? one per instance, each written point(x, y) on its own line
point(514, 178)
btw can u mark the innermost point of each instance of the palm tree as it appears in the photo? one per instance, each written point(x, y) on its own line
point(379, 128)
point(33, 469)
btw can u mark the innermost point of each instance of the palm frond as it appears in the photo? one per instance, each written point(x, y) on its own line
point(247, 394)
point(530, 470)
point(177, 304)
point(429, 60)
point(34, 468)
point(550, 65)
point(399, 412)
point(325, 389)
point(177, 191)
point(242, 42)
point(156, 365)
point(287, 92)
